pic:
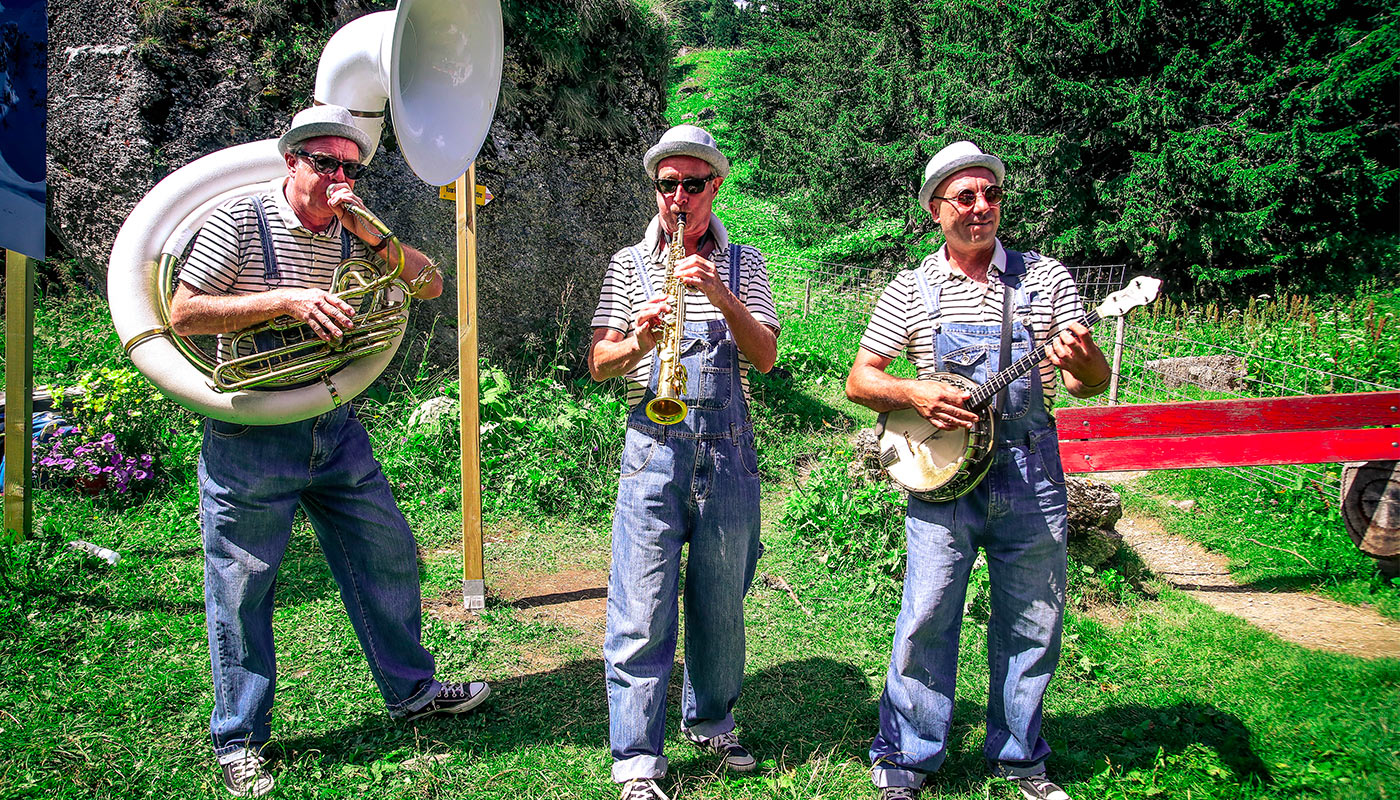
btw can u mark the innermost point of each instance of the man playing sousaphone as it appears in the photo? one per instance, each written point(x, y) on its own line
point(257, 258)
point(689, 473)
point(953, 314)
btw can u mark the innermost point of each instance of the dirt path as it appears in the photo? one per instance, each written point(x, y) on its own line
point(1304, 619)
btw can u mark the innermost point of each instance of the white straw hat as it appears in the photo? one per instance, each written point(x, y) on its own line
point(324, 120)
point(955, 158)
point(686, 140)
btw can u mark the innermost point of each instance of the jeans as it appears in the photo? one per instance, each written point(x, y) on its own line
point(698, 490)
point(251, 480)
point(1018, 516)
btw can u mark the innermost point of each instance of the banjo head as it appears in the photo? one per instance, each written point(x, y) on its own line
point(931, 463)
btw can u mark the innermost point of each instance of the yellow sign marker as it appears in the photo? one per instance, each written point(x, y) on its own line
point(483, 195)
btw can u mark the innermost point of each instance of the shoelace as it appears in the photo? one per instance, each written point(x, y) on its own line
point(899, 793)
point(246, 769)
point(726, 741)
point(641, 790)
point(455, 691)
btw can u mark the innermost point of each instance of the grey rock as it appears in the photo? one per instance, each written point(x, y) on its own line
point(434, 413)
point(130, 102)
point(1220, 373)
point(1094, 510)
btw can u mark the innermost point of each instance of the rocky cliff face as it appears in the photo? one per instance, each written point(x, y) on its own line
point(137, 92)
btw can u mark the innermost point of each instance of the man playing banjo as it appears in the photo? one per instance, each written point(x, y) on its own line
point(690, 478)
point(953, 314)
point(257, 258)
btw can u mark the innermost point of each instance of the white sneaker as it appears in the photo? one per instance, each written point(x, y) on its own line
point(245, 773)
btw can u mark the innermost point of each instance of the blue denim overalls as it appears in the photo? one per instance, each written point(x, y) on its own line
point(1017, 514)
point(252, 477)
point(697, 482)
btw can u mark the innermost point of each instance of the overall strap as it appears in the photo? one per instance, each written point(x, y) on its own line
point(1011, 283)
point(734, 255)
point(271, 275)
point(640, 265)
point(930, 295)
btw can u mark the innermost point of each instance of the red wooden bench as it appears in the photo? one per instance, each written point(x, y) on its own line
point(1231, 433)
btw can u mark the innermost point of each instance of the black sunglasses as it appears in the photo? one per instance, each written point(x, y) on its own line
point(326, 165)
point(967, 198)
point(690, 185)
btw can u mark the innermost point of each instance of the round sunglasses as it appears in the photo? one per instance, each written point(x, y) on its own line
point(967, 198)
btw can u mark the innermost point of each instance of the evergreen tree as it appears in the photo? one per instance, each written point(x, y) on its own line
point(1245, 142)
point(721, 23)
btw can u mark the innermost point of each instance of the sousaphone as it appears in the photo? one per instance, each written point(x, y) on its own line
point(437, 64)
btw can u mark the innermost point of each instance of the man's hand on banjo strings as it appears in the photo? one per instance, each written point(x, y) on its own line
point(941, 404)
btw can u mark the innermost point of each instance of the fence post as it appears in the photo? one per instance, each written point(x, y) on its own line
point(1118, 332)
point(807, 298)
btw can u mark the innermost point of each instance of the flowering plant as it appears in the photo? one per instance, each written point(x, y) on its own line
point(93, 463)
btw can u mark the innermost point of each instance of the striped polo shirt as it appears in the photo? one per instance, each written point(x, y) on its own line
point(623, 294)
point(901, 323)
point(227, 254)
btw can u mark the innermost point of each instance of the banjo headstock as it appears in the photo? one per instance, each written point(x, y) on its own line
point(1139, 292)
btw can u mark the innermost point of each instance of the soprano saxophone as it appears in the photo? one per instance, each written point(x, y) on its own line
point(667, 408)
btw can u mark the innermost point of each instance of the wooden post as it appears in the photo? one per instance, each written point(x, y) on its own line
point(1118, 334)
point(807, 298)
point(473, 562)
point(19, 395)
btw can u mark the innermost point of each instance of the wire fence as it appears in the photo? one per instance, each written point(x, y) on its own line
point(1151, 365)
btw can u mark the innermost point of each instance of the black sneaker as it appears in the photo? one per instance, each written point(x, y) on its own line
point(245, 773)
point(643, 789)
point(455, 698)
point(899, 792)
point(1039, 787)
point(725, 745)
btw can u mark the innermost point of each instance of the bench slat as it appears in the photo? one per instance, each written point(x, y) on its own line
point(1240, 450)
point(1273, 414)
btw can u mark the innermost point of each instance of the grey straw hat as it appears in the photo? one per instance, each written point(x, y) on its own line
point(952, 159)
point(324, 120)
point(686, 140)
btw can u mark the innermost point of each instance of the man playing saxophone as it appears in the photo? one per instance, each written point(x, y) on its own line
point(694, 480)
point(258, 258)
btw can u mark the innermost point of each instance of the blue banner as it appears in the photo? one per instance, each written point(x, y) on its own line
point(23, 94)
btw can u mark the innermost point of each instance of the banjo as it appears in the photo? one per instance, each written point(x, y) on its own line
point(936, 465)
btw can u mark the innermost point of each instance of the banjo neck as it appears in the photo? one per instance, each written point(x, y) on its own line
point(982, 396)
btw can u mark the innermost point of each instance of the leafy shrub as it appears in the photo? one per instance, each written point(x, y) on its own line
point(854, 526)
point(548, 446)
point(136, 427)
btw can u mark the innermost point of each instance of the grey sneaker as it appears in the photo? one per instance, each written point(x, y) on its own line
point(245, 773)
point(1039, 787)
point(643, 789)
point(726, 746)
point(899, 792)
point(455, 698)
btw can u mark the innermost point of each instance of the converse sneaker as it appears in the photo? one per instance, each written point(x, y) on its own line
point(1039, 787)
point(725, 745)
point(245, 773)
point(455, 698)
point(899, 793)
point(643, 789)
